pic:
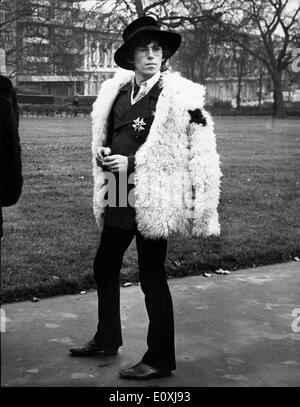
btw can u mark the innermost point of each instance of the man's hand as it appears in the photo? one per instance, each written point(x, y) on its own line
point(101, 153)
point(115, 163)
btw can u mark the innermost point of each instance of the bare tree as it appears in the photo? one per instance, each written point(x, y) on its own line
point(170, 13)
point(195, 20)
point(268, 30)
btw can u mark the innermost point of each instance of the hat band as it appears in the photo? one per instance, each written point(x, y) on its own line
point(147, 28)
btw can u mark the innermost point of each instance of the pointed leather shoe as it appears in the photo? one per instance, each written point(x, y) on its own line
point(92, 348)
point(141, 371)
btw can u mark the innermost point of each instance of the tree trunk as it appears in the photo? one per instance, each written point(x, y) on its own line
point(278, 104)
point(240, 73)
point(238, 96)
point(260, 87)
point(139, 8)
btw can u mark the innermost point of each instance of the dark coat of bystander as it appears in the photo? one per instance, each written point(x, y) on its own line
point(11, 179)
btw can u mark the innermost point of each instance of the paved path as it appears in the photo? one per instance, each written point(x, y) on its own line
point(231, 330)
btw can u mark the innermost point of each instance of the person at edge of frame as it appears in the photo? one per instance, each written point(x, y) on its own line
point(11, 179)
point(148, 121)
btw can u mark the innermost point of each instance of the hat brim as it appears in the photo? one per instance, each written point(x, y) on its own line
point(168, 39)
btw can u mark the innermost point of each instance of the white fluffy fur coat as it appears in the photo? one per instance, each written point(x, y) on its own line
point(177, 176)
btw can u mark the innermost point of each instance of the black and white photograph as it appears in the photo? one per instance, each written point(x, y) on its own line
point(149, 187)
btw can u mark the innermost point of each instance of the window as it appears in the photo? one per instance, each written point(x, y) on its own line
point(63, 15)
point(58, 59)
point(43, 2)
point(62, 31)
point(36, 31)
point(40, 12)
point(38, 68)
point(2, 16)
point(43, 30)
point(37, 50)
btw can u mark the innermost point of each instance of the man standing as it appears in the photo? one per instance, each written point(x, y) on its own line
point(153, 140)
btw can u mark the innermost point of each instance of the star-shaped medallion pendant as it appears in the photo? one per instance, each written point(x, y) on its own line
point(138, 124)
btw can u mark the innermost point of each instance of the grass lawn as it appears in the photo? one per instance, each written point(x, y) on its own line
point(50, 237)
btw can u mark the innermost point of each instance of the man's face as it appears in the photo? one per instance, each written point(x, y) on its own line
point(148, 59)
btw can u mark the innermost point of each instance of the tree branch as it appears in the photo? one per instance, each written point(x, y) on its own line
point(156, 4)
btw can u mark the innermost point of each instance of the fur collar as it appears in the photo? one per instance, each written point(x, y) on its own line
point(191, 94)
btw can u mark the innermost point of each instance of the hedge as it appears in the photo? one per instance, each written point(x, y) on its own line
point(250, 111)
point(52, 110)
point(67, 110)
point(35, 99)
point(68, 100)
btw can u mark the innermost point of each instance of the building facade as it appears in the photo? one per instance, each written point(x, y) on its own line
point(50, 50)
point(99, 63)
point(53, 48)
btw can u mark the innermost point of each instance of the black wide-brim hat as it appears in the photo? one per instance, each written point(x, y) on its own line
point(145, 26)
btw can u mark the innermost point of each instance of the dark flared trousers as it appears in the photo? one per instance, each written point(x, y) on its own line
point(151, 259)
